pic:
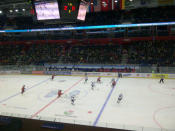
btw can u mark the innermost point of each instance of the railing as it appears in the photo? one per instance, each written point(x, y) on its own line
point(21, 68)
point(154, 69)
point(87, 123)
point(137, 68)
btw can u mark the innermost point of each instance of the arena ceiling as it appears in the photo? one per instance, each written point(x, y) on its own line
point(4, 2)
point(13, 8)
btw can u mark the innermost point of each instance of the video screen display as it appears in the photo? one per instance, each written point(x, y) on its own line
point(47, 10)
point(82, 11)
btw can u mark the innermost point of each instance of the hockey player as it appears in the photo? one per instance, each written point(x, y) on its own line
point(52, 76)
point(112, 80)
point(113, 84)
point(120, 98)
point(119, 75)
point(86, 79)
point(92, 85)
point(161, 80)
point(23, 89)
point(99, 79)
point(59, 93)
point(72, 100)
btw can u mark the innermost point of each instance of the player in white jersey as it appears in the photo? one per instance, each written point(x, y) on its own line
point(120, 98)
point(86, 79)
point(72, 100)
point(92, 85)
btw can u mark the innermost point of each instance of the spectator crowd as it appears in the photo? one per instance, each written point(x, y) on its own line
point(142, 52)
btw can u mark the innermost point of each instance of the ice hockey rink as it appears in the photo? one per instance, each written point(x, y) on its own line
point(147, 105)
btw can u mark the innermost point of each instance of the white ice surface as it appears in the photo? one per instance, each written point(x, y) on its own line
point(147, 105)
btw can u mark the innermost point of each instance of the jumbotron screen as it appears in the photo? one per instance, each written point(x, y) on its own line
point(47, 10)
point(82, 10)
point(62, 10)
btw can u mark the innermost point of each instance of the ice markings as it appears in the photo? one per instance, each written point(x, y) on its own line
point(51, 94)
point(74, 93)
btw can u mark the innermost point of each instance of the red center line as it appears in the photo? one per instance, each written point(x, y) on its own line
point(43, 108)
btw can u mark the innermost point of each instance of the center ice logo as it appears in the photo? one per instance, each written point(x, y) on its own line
point(74, 93)
point(51, 94)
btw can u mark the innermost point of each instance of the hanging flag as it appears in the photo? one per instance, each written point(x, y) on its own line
point(104, 5)
point(116, 4)
point(113, 4)
point(94, 6)
point(122, 4)
point(109, 4)
point(91, 6)
point(32, 12)
point(97, 6)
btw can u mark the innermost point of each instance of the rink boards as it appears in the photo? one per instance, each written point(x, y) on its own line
point(92, 74)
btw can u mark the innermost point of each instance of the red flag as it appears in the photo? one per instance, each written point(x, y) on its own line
point(104, 5)
point(91, 6)
point(32, 11)
point(110, 4)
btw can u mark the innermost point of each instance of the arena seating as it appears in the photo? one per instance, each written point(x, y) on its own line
point(143, 53)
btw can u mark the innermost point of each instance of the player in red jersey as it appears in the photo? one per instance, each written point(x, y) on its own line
point(22, 89)
point(113, 84)
point(52, 77)
point(99, 79)
point(59, 93)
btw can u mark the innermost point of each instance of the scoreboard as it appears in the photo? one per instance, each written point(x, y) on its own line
point(64, 10)
point(69, 9)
